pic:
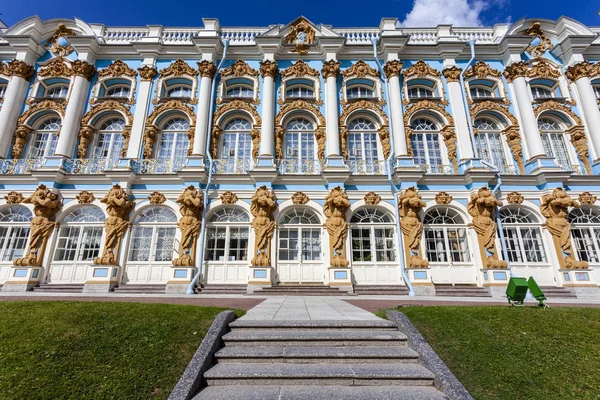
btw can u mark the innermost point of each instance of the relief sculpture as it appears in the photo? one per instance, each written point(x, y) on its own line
point(482, 207)
point(336, 205)
point(410, 204)
point(190, 206)
point(263, 205)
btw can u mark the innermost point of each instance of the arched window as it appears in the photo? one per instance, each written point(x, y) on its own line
point(541, 92)
point(481, 92)
point(523, 235)
point(489, 142)
point(420, 92)
point(425, 143)
point(363, 148)
point(14, 231)
point(300, 140)
point(80, 235)
point(45, 138)
point(553, 139)
point(236, 146)
point(57, 91)
point(153, 236)
point(3, 86)
point(299, 92)
point(360, 92)
point(227, 235)
point(118, 91)
point(585, 230)
point(299, 236)
point(372, 236)
point(109, 140)
point(180, 92)
point(174, 142)
point(445, 235)
point(240, 90)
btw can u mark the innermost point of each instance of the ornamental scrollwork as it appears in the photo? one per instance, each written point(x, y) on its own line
point(320, 135)
point(14, 198)
point(514, 198)
point(583, 69)
point(330, 68)
point(449, 136)
point(207, 69)
point(150, 136)
point(579, 141)
point(229, 197)
point(86, 132)
point(83, 69)
point(170, 106)
point(117, 68)
point(239, 69)
point(543, 69)
point(235, 106)
point(372, 198)
point(482, 70)
point(177, 68)
point(147, 72)
point(57, 67)
point(302, 35)
point(157, 198)
point(587, 198)
point(3, 69)
point(360, 69)
point(383, 131)
point(392, 68)
point(410, 205)
point(300, 198)
point(545, 42)
point(56, 47)
point(335, 208)
point(420, 69)
point(190, 207)
point(298, 69)
point(443, 198)
point(45, 105)
point(19, 69)
point(553, 105)
point(482, 207)
point(515, 70)
point(263, 204)
point(20, 139)
point(85, 197)
point(452, 73)
point(269, 68)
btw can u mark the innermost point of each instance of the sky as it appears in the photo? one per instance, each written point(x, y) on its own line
point(347, 13)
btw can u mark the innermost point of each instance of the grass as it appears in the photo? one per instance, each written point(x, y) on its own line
point(85, 350)
point(516, 352)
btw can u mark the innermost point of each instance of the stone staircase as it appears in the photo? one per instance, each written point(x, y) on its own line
point(59, 288)
point(553, 292)
point(333, 360)
point(140, 289)
point(382, 290)
point(224, 289)
point(461, 291)
point(300, 290)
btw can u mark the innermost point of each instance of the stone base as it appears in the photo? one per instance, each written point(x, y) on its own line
point(586, 292)
point(23, 279)
point(176, 288)
point(498, 291)
point(255, 286)
point(343, 288)
point(424, 290)
point(99, 287)
point(18, 287)
point(101, 278)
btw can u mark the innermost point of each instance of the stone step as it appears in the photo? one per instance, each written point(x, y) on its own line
point(338, 325)
point(319, 374)
point(461, 291)
point(321, 338)
point(558, 292)
point(224, 289)
point(315, 355)
point(299, 289)
point(132, 288)
point(59, 288)
point(299, 293)
point(382, 290)
point(320, 392)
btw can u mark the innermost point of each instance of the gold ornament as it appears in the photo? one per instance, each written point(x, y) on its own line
point(207, 68)
point(85, 197)
point(147, 72)
point(239, 69)
point(545, 43)
point(443, 198)
point(330, 68)
point(302, 35)
point(515, 198)
point(582, 69)
point(157, 198)
point(360, 69)
point(56, 48)
point(20, 69)
point(372, 198)
point(482, 207)
point(420, 69)
point(299, 198)
point(178, 68)
point(235, 106)
point(336, 206)
point(229, 197)
point(299, 69)
point(452, 74)
point(579, 141)
point(319, 131)
point(544, 70)
point(482, 70)
point(392, 68)
point(190, 206)
point(587, 198)
point(262, 207)
point(83, 69)
point(410, 205)
point(55, 68)
point(117, 68)
point(515, 70)
point(20, 139)
point(13, 198)
point(384, 134)
point(268, 68)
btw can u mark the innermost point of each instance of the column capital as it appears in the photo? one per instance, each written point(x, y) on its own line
point(452, 73)
point(83, 69)
point(330, 68)
point(147, 72)
point(207, 68)
point(583, 69)
point(392, 68)
point(19, 68)
point(516, 70)
point(269, 68)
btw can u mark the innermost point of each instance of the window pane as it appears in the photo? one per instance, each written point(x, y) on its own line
point(165, 240)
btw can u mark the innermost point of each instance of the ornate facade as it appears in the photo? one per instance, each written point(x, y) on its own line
point(300, 158)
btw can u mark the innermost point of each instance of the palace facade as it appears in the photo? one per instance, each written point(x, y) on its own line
point(299, 154)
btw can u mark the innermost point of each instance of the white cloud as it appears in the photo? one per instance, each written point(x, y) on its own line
point(429, 13)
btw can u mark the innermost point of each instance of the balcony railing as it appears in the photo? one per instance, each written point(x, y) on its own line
point(439, 169)
point(20, 166)
point(84, 166)
point(154, 166)
point(510, 170)
point(233, 166)
point(362, 167)
point(299, 167)
point(574, 168)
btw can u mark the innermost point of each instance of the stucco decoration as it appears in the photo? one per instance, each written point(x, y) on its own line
point(13, 198)
point(482, 207)
point(410, 204)
point(545, 42)
point(335, 208)
point(19, 69)
point(555, 208)
point(45, 206)
point(239, 69)
point(481, 70)
point(151, 132)
point(262, 207)
point(584, 69)
point(235, 106)
point(57, 47)
point(23, 131)
point(83, 69)
point(584, 198)
point(360, 69)
point(443, 198)
point(147, 72)
point(543, 69)
point(118, 207)
point(85, 197)
point(300, 198)
point(269, 68)
point(330, 68)
point(178, 68)
point(117, 68)
point(207, 68)
point(229, 197)
point(514, 198)
point(420, 69)
point(372, 198)
point(515, 70)
point(190, 206)
point(301, 35)
point(383, 131)
point(392, 68)
point(298, 69)
point(57, 67)
point(3, 68)
point(319, 130)
point(157, 198)
point(449, 136)
point(87, 130)
point(579, 141)
point(20, 139)
point(452, 73)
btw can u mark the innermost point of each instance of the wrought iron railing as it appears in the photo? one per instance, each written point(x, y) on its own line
point(84, 166)
point(299, 167)
point(437, 169)
point(20, 166)
point(158, 166)
point(234, 166)
point(362, 167)
point(510, 170)
point(576, 169)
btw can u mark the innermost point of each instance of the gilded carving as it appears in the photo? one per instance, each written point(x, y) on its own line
point(555, 208)
point(442, 198)
point(190, 206)
point(85, 136)
point(45, 206)
point(581, 70)
point(335, 208)
point(57, 67)
point(147, 72)
point(515, 70)
point(410, 204)
point(117, 68)
point(514, 198)
point(150, 136)
point(392, 68)
point(55, 46)
point(83, 69)
point(330, 68)
point(157, 198)
point(229, 197)
point(45, 105)
point(19, 141)
point(482, 207)
point(552, 105)
point(545, 43)
point(383, 131)
point(452, 73)
point(449, 136)
point(420, 69)
point(302, 35)
point(86, 132)
point(255, 136)
point(587, 198)
point(20, 69)
point(298, 69)
point(262, 207)
point(543, 69)
point(269, 68)
point(579, 141)
point(235, 106)
point(482, 70)
point(360, 69)
point(300, 198)
point(3, 69)
point(426, 105)
point(238, 69)
point(14, 198)
point(85, 197)
point(169, 106)
point(372, 198)
point(319, 131)
point(178, 68)
point(118, 207)
point(207, 68)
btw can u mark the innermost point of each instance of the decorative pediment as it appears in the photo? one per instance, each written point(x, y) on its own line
point(545, 42)
point(552, 105)
point(482, 70)
point(169, 106)
point(543, 69)
point(427, 105)
point(489, 105)
point(107, 105)
point(178, 68)
point(56, 68)
point(238, 69)
point(301, 34)
point(60, 48)
point(298, 69)
point(360, 69)
point(421, 69)
point(237, 105)
point(117, 68)
point(41, 106)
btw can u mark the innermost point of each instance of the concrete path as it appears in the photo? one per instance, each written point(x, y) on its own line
point(300, 308)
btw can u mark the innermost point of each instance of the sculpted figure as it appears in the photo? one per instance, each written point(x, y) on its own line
point(555, 208)
point(118, 207)
point(45, 206)
point(190, 206)
point(481, 207)
point(263, 205)
point(412, 227)
point(336, 205)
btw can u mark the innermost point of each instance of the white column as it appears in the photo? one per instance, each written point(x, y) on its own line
point(268, 70)
point(533, 139)
point(591, 114)
point(330, 72)
point(14, 98)
point(461, 123)
point(392, 71)
point(207, 71)
point(144, 92)
point(69, 132)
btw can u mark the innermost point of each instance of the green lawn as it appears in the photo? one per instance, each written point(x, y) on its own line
point(515, 353)
point(85, 350)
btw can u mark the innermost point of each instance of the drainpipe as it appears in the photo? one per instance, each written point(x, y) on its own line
point(476, 154)
point(411, 290)
point(200, 242)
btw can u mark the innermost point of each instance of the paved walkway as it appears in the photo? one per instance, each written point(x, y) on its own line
point(307, 308)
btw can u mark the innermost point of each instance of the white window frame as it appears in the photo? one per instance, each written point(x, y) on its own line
point(178, 162)
point(515, 221)
point(236, 162)
point(591, 227)
point(300, 220)
point(423, 133)
point(489, 92)
point(373, 219)
point(299, 133)
point(49, 146)
point(550, 144)
point(16, 220)
point(497, 132)
point(88, 226)
point(155, 227)
point(228, 218)
point(114, 136)
point(446, 220)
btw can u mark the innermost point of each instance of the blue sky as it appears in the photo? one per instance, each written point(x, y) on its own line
point(348, 13)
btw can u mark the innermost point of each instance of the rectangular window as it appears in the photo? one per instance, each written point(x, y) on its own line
point(584, 244)
point(66, 249)
point(215, 243)
point(141, 242)
point(384, 244)
point(14, 241)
